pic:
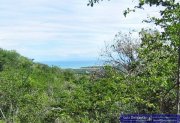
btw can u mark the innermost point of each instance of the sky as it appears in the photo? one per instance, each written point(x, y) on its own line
point(65, 30)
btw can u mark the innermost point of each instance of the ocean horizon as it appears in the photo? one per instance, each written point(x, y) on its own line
point(71, 64)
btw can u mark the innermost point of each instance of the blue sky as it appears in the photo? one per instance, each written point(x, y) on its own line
point(61, 30)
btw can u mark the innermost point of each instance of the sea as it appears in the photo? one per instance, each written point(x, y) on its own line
point(72, 64)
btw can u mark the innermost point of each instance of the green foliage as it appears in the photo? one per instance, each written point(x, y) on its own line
point(27, 89)
point(157, 72)
point(33, 93)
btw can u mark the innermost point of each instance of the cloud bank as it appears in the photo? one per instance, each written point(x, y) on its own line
point(60, 30)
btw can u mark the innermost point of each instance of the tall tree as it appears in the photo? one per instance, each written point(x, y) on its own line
point(157, 71)
point(170, 22)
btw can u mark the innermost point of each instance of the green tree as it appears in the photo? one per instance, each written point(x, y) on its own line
point(170, 22)
point(156, 72)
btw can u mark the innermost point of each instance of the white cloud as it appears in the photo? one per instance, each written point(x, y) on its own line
point(64, 29)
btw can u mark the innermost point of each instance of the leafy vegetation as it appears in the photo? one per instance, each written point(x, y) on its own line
point(34, 92)
point(144, 82)
point(169, 21)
